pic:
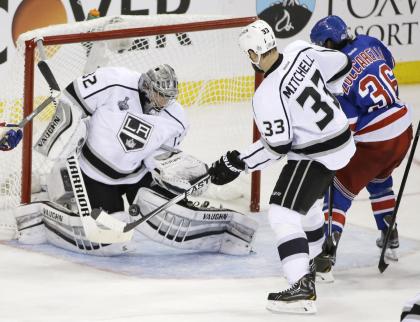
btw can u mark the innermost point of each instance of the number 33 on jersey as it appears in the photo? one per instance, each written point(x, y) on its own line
point(295, 109)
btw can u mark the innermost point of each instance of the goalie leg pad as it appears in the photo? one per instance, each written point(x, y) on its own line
point(45, 221)
point(188, 227)
point(30, 225)
point(64, 229)
point(59, 186)
point(240, 235)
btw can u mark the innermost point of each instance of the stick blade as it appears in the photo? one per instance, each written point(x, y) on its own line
point(382, 265)
point(48, 75)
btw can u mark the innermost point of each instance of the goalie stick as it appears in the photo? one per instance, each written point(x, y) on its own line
point(122, 227)
point(49, 77)
point(330, 242)
point(93, 232)
point(382, 264)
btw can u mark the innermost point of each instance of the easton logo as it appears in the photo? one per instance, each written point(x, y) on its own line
point(198, 186)
point(134, 133)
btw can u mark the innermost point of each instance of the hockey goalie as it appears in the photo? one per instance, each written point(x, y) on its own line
point(115, 134)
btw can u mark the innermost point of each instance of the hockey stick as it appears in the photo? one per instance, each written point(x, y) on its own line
point(117, 225)
point(49, 77)
point(87, 215)
point(382, 264)
point(330, 244)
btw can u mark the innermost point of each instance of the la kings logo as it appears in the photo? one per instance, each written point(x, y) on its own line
point(134, 133)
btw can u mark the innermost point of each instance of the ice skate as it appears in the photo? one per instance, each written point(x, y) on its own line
point(299, 298)
point(326, 260)
point(393, 243)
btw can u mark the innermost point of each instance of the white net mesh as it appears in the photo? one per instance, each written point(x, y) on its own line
point(216, 84)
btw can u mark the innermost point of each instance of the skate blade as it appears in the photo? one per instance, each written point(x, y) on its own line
point(295, 307)
point(391, 254)
point(324, 278)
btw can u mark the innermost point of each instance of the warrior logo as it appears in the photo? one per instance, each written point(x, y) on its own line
point(286, 17)
point(123, 105)
point(134, 133)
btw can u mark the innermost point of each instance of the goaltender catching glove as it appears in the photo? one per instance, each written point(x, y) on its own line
point(227, 168)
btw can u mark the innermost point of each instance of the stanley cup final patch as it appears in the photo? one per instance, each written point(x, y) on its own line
point(134, 133)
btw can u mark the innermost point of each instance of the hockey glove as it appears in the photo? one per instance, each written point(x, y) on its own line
point(12, 138)
point(227, 168)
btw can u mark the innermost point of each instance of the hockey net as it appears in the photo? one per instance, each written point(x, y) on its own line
point(216, 85)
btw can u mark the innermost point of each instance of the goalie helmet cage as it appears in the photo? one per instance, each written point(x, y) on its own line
point(207, 44)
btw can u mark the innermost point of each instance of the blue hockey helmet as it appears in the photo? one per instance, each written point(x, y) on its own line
point(330, 27)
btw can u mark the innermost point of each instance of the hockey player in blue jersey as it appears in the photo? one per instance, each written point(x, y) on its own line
point(10, 136)
point(381, 126)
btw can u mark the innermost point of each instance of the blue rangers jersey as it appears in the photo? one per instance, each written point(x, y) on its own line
point(370, 92)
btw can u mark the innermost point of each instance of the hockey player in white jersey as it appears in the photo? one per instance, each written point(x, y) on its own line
point(298, 116)
point(121, 125)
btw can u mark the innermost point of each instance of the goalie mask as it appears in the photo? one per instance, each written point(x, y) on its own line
point(160, 85)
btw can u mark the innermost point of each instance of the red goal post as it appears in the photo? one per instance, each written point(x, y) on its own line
point(207, 29)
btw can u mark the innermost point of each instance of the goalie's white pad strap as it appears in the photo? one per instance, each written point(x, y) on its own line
point(65, 133)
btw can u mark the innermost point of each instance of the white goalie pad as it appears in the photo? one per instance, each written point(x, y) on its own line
point(30, 227)
point(64, 229)
point(59, 186)
point(45, 221)
point(176, 172)
point(65, 134)
point(197, 228)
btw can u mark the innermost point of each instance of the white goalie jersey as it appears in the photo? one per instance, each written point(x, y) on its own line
point(121, 138)
point(296, 112)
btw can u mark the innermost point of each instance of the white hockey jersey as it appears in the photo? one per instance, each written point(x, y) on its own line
point(121, 139)
point(296, 112)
